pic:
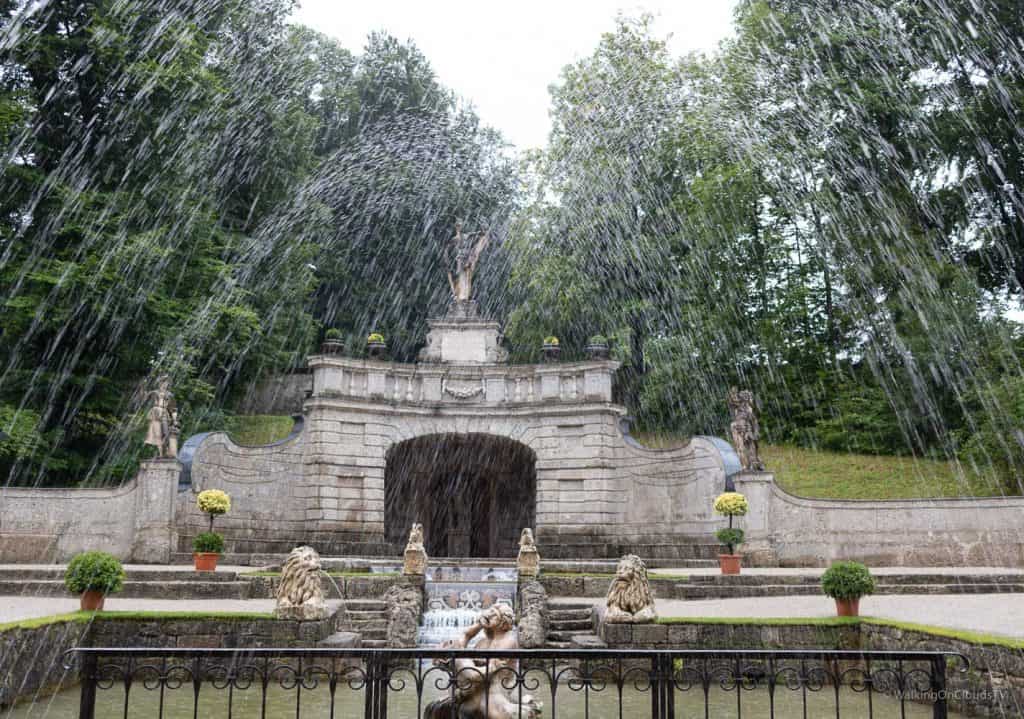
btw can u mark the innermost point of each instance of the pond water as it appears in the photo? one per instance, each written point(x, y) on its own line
point(315, 703)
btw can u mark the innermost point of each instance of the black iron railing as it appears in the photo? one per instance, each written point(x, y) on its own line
point(407, 683)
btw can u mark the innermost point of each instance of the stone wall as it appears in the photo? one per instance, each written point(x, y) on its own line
point(133, 521)
point(31, 660)
point(793, 531)
point(993, 686)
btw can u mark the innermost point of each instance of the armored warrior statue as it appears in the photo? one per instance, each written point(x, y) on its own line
point(745, 429)
point(163, 429)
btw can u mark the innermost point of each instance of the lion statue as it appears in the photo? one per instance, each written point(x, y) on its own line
point(300, 594)
point(629, 597)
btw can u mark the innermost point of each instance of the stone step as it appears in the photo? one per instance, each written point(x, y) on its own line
point(565, 606)
point(375, 643)
point(340, 640)
point(570, 615)
point(684, 591)
point(888, 579)
point(577, 625)
point(367, 614)
point(588, 641)
point(140, 575)
point(366, 605)
point(557, 643)
point(193, 589)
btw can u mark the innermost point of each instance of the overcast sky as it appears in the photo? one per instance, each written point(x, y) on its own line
point(501, 56)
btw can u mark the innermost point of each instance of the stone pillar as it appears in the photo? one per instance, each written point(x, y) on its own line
point(156, 488)
point(757, 550)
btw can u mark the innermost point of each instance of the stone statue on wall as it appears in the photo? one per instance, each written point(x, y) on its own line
point(746, 431)
point(415, 563)
point(483, 686)
point(162, 431)
point(630, 600)
point(528, 561)
point(462, 253)
point(300, 594)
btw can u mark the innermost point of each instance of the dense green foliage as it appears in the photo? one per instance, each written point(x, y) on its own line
point(847, 580)
point(208, 542)
point(731, 537)
point(180, 195)
point(97, 571)
point(827, 210)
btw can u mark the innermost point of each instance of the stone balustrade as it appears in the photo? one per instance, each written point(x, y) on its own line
point(448, 384)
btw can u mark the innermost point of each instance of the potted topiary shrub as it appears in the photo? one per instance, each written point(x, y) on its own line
point(730, 504)
point(332, 343)
point(94, 575)
point(375, 345)
point(208, 546)
point(847, 582)
point(597, 347)
point(551, 348)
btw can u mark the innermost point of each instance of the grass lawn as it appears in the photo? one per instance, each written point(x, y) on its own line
point(256, 429)
point(811, 473)
point(833, 475)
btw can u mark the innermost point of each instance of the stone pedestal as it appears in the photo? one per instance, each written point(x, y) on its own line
point(528, 562)
point(157, 488)
point(461, 337)
point(757, 548)
point(415, 563)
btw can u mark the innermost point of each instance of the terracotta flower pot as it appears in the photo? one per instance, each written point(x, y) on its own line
point(92, 600)
point(729, 563)
point(205, 561)
point(848, 607)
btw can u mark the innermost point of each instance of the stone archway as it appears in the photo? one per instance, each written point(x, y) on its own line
point(473, 493)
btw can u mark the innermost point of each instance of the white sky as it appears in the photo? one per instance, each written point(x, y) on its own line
point(501, 56)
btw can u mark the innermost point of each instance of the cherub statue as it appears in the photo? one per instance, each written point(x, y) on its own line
point(466, 250)
point(746, 431)
point(483, 688)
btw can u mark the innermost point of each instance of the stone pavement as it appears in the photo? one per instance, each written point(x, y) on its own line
point(14, 609)
point(986, 613)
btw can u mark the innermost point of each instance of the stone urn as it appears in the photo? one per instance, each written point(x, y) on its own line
point(92, 600)
point(332, 347)
point(729, 563)
point(376, 347)
point(597, 348)
point(551, 349)
point(597, 352)
point(205, 561)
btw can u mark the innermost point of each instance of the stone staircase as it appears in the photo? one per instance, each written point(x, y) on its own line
point(571, 626)
point(366, 617)
point(139, 584)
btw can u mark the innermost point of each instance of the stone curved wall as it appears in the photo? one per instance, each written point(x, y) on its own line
point(798, 531)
